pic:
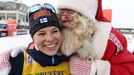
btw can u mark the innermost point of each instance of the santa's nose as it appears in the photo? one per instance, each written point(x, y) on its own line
point(63, 18)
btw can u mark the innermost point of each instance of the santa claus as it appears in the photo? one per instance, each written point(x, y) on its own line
point(100, 48)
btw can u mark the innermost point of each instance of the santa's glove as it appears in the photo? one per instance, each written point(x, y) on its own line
point(79, 66)
point(5, 56)
point(5, 60)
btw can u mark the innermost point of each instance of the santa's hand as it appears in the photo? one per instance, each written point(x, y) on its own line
point(5, 60)
point(79, 66)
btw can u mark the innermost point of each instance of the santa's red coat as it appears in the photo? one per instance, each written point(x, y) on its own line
point(120, 59)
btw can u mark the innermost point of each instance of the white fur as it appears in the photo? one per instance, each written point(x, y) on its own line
point(100, 67)
point(93, 69)
point(103, 67)
point(97, 46)
point(5, 71)
point(100, 38)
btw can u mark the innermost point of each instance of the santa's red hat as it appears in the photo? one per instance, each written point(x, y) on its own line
point(99, 15)
point(89, 8)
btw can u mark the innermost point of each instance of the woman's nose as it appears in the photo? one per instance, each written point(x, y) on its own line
point(49, 37)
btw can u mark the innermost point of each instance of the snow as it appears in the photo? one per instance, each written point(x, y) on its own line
point(13, 42)
point(7, 43)
point(131, 45)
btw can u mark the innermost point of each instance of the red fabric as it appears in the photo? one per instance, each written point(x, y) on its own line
point(31, 45)
point(99, 15)
point(123, 62)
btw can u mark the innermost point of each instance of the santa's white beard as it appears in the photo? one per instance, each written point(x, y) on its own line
point(78, 40)
point(71, 42)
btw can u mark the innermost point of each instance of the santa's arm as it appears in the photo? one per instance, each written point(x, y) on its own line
point(121, 63)
point(79, 66)
point(5, 58)
point(120, 59)
point(124, 68)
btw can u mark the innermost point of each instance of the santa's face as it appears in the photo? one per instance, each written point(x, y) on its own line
point(66, 18)
point(74, 38)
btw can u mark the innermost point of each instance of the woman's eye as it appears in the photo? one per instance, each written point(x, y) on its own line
point(56, 30)
point(41, 34)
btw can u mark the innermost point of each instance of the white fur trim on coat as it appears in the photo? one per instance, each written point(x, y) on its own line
point(88, 8)
point(5, 71)
point(93, 69)
point(100, 67)
point(100, 38)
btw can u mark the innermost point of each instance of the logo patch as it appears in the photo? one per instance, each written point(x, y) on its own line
point(29, 59)
point(41, 12)
point(43, 20)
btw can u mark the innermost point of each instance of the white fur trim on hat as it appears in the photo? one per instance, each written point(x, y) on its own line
point(88, 8)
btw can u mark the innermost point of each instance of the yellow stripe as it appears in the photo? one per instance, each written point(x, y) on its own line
point(35, 68)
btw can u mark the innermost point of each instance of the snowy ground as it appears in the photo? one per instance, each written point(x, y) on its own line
point(14, 42)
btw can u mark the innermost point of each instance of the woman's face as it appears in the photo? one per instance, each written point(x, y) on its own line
point(48, 40)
